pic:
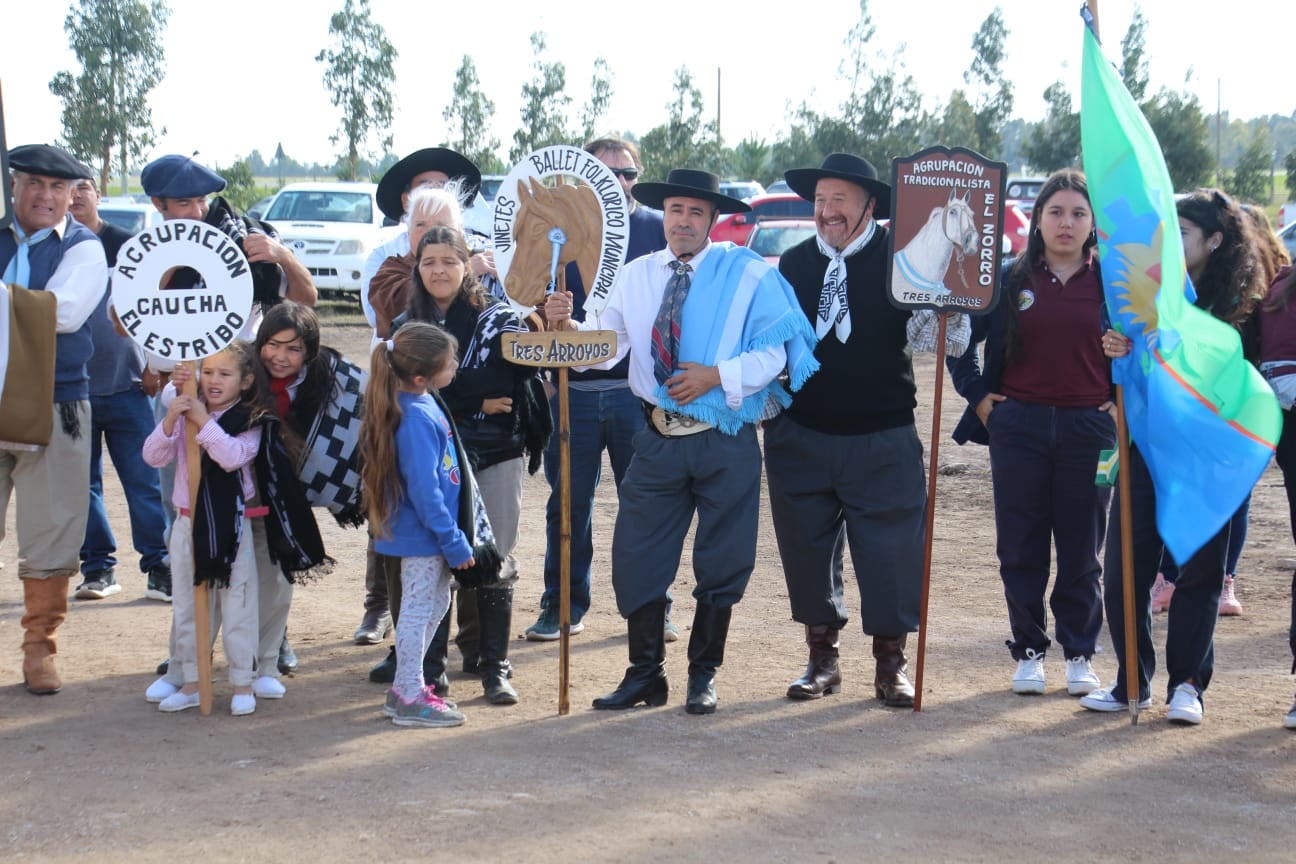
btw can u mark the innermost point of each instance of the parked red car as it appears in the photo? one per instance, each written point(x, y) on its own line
point(1016, 229)
point(737, 226)
point(772, 237)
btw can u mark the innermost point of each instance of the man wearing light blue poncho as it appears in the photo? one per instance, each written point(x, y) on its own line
point(709, 328)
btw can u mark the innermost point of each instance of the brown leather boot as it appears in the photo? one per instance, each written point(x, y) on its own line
point(890, 682)
point(822, 676)
point(47, 604)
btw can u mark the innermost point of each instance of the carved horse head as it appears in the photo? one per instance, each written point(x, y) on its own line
point(574, 209)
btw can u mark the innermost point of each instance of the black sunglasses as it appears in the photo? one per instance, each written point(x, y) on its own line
point(627, 173)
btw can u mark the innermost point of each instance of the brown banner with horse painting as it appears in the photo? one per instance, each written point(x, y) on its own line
point(946, 230)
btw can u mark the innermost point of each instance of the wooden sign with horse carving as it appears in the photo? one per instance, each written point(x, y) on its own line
point(946, 230)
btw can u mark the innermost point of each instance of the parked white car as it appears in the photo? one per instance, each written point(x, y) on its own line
point(132, 216)
point(331, 228)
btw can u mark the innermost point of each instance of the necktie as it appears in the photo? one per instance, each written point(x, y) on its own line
point(666, 329)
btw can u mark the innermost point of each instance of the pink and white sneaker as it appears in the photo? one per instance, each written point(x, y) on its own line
point(1162, 591)
point(1229, 604)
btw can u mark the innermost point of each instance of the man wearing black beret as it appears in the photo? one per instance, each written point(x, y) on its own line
point(179, 187)
point(45, 249)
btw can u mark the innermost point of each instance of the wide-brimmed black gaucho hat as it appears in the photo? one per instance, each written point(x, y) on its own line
point(453, 165)
point(842, 166)
point(688, 183)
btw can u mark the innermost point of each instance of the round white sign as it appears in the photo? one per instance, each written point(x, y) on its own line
point(518, 195)
point(194, 314)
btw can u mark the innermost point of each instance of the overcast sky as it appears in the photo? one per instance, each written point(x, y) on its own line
point(241, 75)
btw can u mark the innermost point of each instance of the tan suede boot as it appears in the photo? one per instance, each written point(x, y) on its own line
point(47, 604)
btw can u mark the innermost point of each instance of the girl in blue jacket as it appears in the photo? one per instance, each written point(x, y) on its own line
point(412, 480)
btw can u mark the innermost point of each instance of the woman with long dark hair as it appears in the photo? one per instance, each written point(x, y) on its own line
point(1046, 422)
point(1222, 261)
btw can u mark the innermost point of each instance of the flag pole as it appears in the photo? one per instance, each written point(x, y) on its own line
point(1127, 558)
point(1126, 521)
point(931, 512)
point(202, 611)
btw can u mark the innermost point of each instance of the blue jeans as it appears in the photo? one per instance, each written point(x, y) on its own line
point(599, 419)
point(123, 420)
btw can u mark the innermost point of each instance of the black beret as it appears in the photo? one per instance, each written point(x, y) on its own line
point(179, 177)
point(48, 161)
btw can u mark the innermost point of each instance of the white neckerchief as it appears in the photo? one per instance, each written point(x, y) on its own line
point(834, 310)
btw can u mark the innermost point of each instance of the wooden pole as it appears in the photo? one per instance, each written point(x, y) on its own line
point(1127, 557)
point(1126, 521)
point(931, 512)
point(202, 613)
point(564, 554)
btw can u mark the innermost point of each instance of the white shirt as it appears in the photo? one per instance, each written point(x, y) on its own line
point(632, 311)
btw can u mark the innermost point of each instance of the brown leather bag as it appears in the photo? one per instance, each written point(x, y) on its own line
point(27, 400)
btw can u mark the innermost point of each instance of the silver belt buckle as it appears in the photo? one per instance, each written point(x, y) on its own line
point(674, 425)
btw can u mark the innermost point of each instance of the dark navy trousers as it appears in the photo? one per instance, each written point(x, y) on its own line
point(1190, 628)
point(1042, 462)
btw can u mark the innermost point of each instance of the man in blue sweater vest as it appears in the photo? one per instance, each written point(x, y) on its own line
point(45, 249)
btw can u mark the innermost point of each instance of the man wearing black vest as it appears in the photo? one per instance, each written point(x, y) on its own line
point(844, 462)
point(45, 249)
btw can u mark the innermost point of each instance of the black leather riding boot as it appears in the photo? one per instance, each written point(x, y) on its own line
point(468, 636)
point(645, 680)
point(822, 675)
point(891, 683)
point(495, 616)
point(706, 653)
point(434, 661)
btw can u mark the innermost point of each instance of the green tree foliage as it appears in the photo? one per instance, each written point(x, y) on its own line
point(1250, 180)
point(360, 75)
point(750, 160)
point(685, 140)
point(882, 116)
point(105, 106)
point(469, 116)
point(600, 99)
point(1180, 128)
point(1134, 66)
point(544, 105)
point(957, 126)
point(240, 184)
point(994, 93)
point(1054, 142)
point(1290, 165)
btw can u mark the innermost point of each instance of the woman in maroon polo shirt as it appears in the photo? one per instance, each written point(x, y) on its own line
point(1046, 423)
point(1278, 364)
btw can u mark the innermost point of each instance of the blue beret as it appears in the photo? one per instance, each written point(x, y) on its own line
point(179, 177)
point(48, 161)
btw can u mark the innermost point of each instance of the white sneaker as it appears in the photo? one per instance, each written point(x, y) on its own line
point(1080, 677)
point(1103, 700)
point(268, 688)
point(242, 703)
point(178, 701)
point(1185, 705)
point(1289, 722)
point(159, 690)
point(1029, 678)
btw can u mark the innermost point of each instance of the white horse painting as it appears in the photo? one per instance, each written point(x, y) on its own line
point(921, 265)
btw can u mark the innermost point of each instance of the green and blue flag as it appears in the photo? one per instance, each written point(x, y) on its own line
point(1204, 419)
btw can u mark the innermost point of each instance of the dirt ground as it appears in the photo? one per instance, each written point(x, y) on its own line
point(95, 773)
